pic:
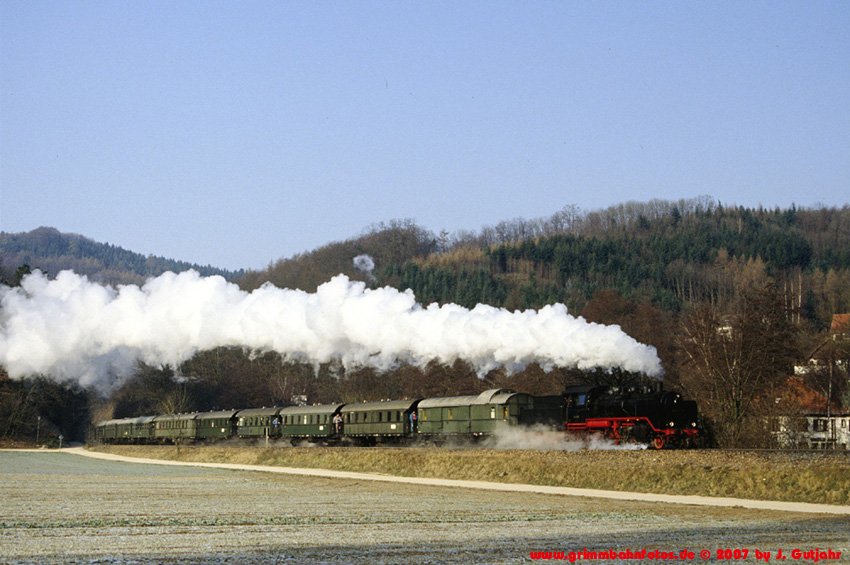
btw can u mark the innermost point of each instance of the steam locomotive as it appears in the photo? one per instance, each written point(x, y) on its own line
point(654, 417)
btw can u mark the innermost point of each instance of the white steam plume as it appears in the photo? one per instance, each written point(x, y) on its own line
point(73, 329)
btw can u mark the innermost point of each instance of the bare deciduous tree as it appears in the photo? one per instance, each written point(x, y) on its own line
point(737, 358)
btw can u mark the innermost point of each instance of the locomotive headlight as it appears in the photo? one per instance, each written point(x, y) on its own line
point(671, 424)
point(693, 424)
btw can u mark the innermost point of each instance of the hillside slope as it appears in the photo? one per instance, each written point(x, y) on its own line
point(51, 251)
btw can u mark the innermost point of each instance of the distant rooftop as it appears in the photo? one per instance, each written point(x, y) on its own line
point(840, 323)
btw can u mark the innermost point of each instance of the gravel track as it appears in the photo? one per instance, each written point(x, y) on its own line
point(58, 508)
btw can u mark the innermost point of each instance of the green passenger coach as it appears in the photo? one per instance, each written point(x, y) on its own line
point(308, 422)
point(483, 414)
point(140, 429)
point(215, 425)
point(175, 428)
point(378, 419)
point(259, 422)
point(107, 432)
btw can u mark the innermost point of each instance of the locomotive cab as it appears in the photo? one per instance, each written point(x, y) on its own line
point(579, 401)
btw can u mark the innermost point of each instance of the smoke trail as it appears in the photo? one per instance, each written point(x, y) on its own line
point(73, 329)
point(364, 263)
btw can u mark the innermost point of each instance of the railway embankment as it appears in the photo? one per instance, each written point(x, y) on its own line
point(812, 477)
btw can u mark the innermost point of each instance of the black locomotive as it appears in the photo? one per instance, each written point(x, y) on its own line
point(639, 414)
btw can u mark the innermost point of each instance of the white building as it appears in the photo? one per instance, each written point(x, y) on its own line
point(814, 431)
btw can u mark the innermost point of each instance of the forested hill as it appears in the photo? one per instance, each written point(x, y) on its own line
point(667, 254)
point(51, 251)
point(662, 253)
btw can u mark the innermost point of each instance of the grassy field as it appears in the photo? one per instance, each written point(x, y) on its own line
point(791, 476)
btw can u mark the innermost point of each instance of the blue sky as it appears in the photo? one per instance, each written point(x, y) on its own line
point(236, 133)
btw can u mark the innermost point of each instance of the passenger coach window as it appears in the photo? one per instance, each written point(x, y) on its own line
point(492, 412)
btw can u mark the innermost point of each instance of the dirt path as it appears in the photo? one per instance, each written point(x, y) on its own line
point(504, 487)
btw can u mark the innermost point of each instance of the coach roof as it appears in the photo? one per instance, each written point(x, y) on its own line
point(492, 396)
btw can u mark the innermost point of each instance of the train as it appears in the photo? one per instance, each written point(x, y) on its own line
point(646, 415)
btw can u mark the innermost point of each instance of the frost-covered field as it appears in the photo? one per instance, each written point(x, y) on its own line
point(57, 507)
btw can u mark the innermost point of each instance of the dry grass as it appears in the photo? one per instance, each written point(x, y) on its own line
point(798, 477)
